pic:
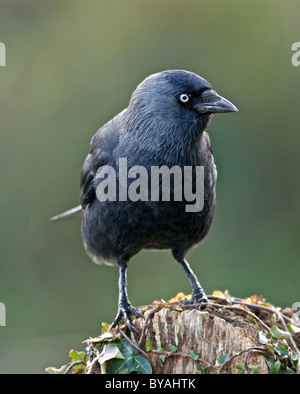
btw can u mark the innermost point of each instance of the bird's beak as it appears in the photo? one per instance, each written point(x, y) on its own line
point(212, 103)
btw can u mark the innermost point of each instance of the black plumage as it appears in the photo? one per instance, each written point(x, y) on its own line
point(164, 125)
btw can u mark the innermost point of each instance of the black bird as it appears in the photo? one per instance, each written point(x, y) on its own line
point(164, 125)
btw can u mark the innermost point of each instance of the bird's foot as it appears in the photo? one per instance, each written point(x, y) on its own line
point(202, 301)
point(197, 298)
point(126, 310)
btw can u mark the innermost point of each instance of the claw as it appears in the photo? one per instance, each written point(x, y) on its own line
point(203, 301)
point(126, 311)
point(200, 299)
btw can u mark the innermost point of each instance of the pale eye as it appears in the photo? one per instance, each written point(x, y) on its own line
point(184, 97)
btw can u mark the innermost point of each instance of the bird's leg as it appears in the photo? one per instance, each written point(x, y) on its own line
point(198, 295)
point(125, 308)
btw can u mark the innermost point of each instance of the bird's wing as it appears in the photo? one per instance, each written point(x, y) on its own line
point(93, 161)
point(103, 144)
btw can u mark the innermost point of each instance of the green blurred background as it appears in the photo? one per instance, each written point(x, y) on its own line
point(71, 66)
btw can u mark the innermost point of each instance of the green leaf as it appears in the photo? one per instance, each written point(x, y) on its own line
point(56, 371)
point(173, 348)
point(109, 352)
point(274, 366)
point(224, 358)
point(262, 338)
point(288, 371)
point(105, 328)
point(105, 337)
point(294, 356)
point(127, 349)
point(142, 365)
point(293, 329)
point(159, 348)
point(277, 333)
point(201, 368)
point(148, 346)
point(254, 369)
point(194, 355)
point(270, 363)
point(270, 348)
point(76, 356)
point(281, 350)
point(123, 372)
point(241, 368)
point(137, 363)
point(133, 360)
point(274, 317)
point(163, 357)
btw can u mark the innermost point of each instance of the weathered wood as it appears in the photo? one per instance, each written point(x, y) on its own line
point(211, 333)
point(179, 338)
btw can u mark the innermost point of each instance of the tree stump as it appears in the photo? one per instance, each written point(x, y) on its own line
point(211, 334)
point(230, 335)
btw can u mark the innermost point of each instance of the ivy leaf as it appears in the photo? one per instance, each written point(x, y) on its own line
point(148, 346)
point(224, 358)
point(76, 356)
point(276, 367)
point(293, 356)
point(109, 352)
point(277, 333)
point(133, 360)
point(123, 371)
point(163, 357)
point(293, 329)
point(254, 369)
point(288, 371)
point(57, 371)
point(262, 338)
point(273, 366)
point(274, 317)
point(159, 348)
point(194, 355)
point(201, 368)
point(241, 368)
point(142, 365)
point(105, 337)
point(270, 348)
point(105, 328)
point(281, 350)
point(173, 348)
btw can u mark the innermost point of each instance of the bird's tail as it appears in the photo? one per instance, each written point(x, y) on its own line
point(69, 213)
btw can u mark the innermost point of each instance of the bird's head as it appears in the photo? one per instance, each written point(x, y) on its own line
point(169, 111)
point(179, 94)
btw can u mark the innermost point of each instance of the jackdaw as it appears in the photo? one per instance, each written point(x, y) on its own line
point(164, 125)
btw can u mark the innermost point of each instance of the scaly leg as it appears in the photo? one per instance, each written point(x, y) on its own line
point(125, 308)
point(198, 295)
